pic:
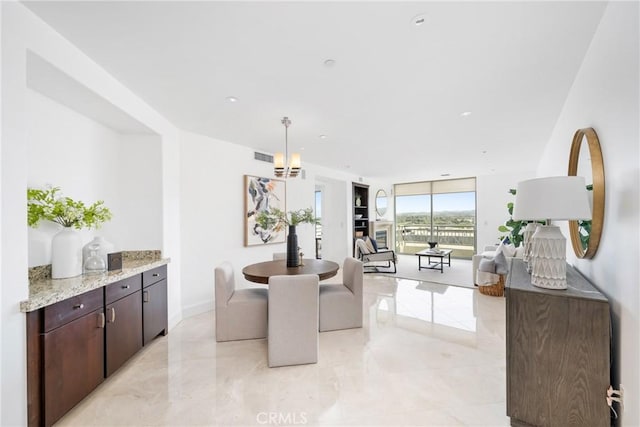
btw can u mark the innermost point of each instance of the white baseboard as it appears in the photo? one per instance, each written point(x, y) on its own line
point(195, 309)
point(174, 320)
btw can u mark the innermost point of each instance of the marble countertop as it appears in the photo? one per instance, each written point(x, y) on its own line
point(46, 291)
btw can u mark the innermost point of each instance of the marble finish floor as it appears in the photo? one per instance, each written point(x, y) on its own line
point(428, 355)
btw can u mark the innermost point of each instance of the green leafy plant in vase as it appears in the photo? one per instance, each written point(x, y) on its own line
point(276, 219)
point(66, 246)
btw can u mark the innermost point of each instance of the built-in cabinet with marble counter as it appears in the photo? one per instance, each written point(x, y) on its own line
point(81, 331)
point(558, 352)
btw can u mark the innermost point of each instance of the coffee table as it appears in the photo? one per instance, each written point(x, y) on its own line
point(435, 265)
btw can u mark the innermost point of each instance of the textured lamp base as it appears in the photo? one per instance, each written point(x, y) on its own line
point(548, 258)
point(528, 234)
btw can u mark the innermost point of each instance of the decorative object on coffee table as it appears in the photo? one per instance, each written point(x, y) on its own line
point(551, 198)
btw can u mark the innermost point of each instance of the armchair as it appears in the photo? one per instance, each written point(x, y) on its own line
point(372, 257)
point(489, 252)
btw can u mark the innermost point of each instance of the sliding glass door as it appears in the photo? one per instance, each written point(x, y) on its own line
point(436, 211)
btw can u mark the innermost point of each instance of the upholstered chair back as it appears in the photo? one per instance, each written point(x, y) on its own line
point(225, 284)
point(352, 271)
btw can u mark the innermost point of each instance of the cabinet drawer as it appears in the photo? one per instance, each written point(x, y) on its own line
point(63, 312)
point(121, 289)
point(152, 276)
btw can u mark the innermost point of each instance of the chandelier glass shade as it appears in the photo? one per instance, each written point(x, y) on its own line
point(283, 165)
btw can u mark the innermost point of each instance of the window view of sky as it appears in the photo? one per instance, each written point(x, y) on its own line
point(442, 202)
point(318, 209)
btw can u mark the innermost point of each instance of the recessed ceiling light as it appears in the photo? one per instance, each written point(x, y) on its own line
point(465, 114)
point(418, 20)
point(323, 137)
point(484, 151)
point(231, 99)
point(329, 62)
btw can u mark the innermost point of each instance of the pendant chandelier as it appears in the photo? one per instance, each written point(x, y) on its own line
point(282, 165)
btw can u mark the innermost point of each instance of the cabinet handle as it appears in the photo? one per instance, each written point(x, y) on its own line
point(145, 296)
point(113, 314)
point(125, 286)
point(78, 306)
point(155, 274)
point(102, 320)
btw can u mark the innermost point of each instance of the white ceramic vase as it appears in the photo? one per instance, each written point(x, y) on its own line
point(66, 254)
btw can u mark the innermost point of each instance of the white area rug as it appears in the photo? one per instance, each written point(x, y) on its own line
point(459, 274)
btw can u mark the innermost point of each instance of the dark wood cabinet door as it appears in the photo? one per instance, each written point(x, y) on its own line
point(73, 364)
point(123, 331)
point(154, 310)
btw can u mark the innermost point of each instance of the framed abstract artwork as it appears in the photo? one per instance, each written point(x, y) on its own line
point(262, 194)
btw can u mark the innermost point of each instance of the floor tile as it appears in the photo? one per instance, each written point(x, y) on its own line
point(428, 355)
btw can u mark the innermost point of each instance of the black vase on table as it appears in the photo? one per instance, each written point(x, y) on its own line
point(293, 257)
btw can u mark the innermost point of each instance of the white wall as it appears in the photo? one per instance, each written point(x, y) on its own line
point(22, 32)
point(605, 96)
point(212, 229)
point(1, 236)
point(90, 162)
point(492, 196)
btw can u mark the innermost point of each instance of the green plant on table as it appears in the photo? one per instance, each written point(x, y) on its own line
point(49, 205)
point(276, 219)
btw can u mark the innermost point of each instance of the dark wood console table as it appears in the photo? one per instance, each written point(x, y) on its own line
point(260, 272)
point(557, 352)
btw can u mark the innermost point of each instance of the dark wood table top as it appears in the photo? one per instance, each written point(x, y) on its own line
point(260, 272)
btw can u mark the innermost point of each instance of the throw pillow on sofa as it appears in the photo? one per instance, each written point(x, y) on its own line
point(487, 265)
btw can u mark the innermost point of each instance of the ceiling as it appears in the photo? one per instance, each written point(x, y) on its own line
point(391, 104)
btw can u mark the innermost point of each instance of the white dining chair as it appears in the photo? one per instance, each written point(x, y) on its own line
point(293, 320)
point(241, 314)
point(341, 304)
point(277, 256)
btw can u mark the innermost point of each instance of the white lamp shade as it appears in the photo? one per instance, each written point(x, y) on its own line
point(556, 197)
point(295, 161)
point(278, 160)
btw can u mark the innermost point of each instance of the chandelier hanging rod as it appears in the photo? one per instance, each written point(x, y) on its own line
point(283, 166)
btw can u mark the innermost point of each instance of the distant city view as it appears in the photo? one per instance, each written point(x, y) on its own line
point(453, 227)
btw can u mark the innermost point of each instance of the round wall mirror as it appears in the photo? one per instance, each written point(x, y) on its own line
point(381, 203)
point(586, 160)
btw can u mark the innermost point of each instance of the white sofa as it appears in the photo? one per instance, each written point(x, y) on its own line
point(489, 252)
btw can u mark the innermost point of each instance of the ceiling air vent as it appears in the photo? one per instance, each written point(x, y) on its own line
point(263, 157)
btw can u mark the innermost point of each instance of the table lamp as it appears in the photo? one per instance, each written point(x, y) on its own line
point(551, 198)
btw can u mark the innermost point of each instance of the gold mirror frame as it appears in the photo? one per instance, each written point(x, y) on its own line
point(597, 171)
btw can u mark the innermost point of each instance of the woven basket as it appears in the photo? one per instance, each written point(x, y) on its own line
point(496, 290)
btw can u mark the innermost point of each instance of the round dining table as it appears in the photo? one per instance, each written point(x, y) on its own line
point(260, 272)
